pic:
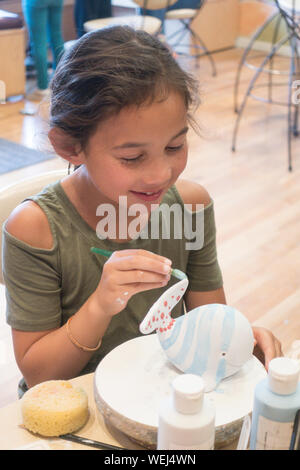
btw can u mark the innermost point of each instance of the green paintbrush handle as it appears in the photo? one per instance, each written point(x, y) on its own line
point(101, 252)
point(175, 272)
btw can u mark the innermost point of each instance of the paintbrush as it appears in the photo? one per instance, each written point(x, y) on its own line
point(89, 442)
point(175, 272)
point(295, 440)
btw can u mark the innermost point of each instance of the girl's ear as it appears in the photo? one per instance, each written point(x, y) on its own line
point(65, 146)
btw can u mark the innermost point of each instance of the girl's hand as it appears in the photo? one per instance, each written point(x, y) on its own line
point(266, 345)
point(128, 272)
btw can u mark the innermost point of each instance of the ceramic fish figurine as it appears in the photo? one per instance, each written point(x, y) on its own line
point(213, 341)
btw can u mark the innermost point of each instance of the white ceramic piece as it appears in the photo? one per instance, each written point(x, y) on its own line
point(131, 381)
point(213, 341)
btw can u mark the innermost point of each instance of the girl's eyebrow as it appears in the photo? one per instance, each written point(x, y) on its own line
point(142, 144)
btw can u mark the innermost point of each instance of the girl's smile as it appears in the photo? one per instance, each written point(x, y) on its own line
point(148, 196)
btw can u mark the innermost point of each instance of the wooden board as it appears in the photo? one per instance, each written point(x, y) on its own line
point(131, 380)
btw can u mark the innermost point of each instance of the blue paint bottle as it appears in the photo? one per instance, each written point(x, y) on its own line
point(276, 401)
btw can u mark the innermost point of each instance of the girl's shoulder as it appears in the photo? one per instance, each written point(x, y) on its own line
point(29, 224)
point(192, 193)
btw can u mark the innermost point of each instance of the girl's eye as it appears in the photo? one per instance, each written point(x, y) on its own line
point(131, 160)
point(140, 157)
point(175, 149)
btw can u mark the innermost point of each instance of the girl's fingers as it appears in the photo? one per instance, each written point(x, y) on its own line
point(141, 278)
point(278, 348)
point(139, 263)
point(269, 345)
point(143, 253)
point(129, 290)
point(136, 288)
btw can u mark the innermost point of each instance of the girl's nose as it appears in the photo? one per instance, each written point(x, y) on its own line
point(158, 175)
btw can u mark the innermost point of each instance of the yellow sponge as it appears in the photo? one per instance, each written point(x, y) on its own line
point(54, 407)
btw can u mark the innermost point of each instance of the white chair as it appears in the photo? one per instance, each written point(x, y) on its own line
point(143, 22)
point(195, 46)
point(11, 196)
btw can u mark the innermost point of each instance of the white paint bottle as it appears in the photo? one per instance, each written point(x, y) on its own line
point(276, 401)
point(187, 417)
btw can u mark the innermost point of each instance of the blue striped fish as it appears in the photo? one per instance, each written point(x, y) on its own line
point(213, 341)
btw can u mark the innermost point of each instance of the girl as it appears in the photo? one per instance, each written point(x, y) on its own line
point(120, 111)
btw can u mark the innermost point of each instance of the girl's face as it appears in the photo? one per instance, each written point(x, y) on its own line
point(139, 153)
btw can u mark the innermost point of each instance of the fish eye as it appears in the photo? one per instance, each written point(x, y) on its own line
point(223, 353)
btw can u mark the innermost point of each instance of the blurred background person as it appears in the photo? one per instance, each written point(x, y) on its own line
point(86, 10)
point(44, 23)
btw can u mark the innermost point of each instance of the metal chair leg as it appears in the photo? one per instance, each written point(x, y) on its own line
point(296, 106)
point(186, 29)
point(274, 40)
point(244, 56)
point(207, 52)
point(252, 83)
point(293, 44)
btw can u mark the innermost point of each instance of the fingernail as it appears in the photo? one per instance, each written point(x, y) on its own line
point(166, 268)
point(168, 261)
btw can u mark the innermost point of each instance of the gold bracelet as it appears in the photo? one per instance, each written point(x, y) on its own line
point(80, 346)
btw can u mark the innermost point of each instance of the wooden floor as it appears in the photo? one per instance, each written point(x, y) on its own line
point(257, 201)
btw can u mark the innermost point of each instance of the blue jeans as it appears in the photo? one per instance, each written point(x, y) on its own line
point(44, 18)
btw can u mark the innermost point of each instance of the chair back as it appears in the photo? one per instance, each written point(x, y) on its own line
point(11, 196)
point(155, 4)
point(139, 21)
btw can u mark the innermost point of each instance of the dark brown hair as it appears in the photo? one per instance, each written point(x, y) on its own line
point(109, 69)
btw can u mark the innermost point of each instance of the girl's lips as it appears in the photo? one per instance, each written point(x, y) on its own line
point(148, 197)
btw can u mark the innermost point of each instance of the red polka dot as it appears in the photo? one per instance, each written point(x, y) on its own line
point(178, 298)
point(161, 330)
point(162, 315)
point(165, 303)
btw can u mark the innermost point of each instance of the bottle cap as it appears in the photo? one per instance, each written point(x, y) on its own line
point(283, 375)
point(188, 392)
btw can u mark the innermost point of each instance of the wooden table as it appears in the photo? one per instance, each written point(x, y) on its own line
point(15, 436)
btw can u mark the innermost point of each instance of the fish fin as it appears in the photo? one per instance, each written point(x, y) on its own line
point(160, 312)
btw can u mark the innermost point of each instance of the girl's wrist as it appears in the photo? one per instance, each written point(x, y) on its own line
point(95, 310)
